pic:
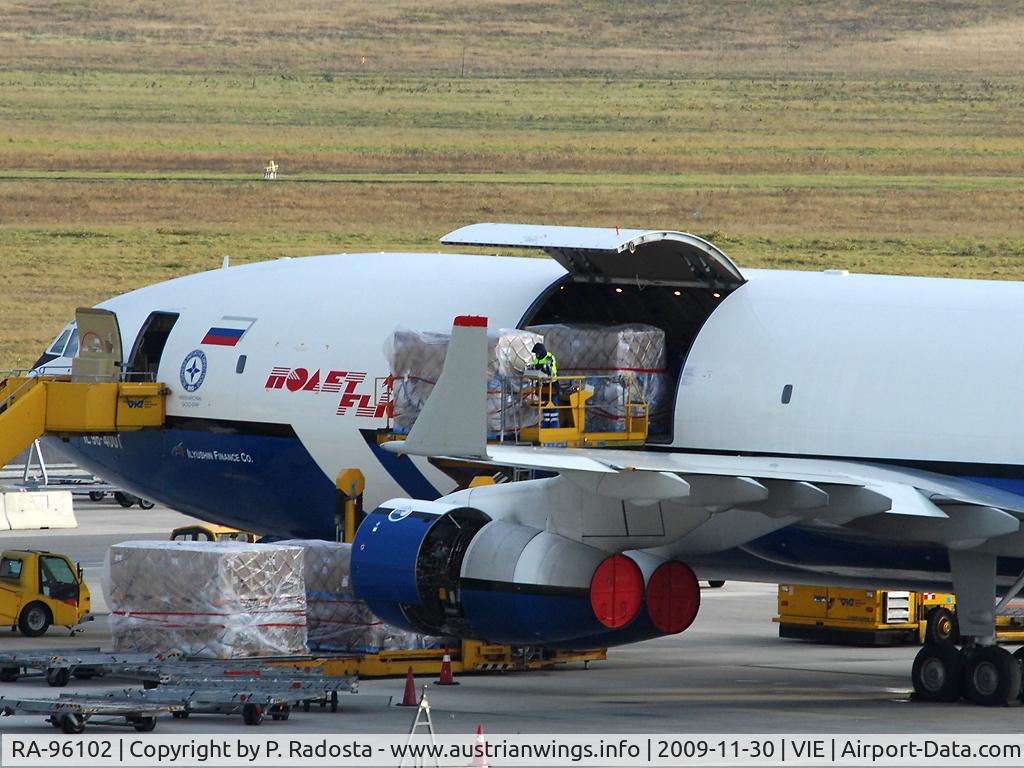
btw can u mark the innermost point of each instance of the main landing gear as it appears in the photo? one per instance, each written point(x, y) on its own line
point(978, 670)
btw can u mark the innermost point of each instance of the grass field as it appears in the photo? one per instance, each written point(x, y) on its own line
point(793, 134)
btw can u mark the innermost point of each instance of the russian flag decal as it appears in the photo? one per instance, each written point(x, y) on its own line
point(229, 332)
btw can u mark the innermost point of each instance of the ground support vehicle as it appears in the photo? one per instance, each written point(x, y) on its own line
point(211, 532)
point(39, 588)
point(179, 686)
point(466, 656)
point(71, 716)
point(59, 666)
point(877, 617)
point(252, 698)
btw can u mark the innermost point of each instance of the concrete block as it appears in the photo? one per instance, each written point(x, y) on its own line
point(32, 510)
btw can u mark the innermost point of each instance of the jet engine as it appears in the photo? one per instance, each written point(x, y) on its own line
point(443, 569)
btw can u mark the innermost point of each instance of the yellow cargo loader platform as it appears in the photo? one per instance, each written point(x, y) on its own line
point(468, 656)
point(33, 406)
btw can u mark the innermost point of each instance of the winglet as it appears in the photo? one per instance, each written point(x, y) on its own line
point(453, 421)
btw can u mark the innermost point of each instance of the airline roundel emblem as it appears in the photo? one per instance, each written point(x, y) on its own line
point(399, 514)
point(193, 370)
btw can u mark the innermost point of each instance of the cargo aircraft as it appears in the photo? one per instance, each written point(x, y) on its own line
point(828, 427)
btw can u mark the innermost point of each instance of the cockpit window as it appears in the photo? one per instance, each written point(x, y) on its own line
point(72, 348)
point(61, 342)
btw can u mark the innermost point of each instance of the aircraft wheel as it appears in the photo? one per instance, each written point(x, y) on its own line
point(252, 714)
point(938, 673)
point(993, 676)
point(58, 677)
point(34, 620)
point(1018, 655)
point(72, 723)
point(145, 504)
point(124, 499)
point(942, 628)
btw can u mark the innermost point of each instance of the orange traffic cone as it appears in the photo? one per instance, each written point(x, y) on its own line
point(480, 753)
point(446, 670)
point(409, 700)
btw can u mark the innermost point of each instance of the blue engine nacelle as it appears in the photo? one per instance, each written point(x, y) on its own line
point(441, 569)
point(407, 556)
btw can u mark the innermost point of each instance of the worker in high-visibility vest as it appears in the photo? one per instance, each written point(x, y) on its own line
point(545, 362)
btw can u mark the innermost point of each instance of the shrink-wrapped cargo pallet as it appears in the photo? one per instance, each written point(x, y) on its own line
point(219, 600)
point(335, 619)
point(606, 352)
point(417, 358)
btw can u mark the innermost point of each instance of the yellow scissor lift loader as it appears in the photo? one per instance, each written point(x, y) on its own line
point(565, 424)
point(90, 401)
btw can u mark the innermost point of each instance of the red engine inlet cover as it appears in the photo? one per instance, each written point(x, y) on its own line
point(673, 597)
point(617, 591)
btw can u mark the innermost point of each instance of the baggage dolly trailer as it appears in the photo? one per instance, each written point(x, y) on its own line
point(72, 716)
point(182, 701)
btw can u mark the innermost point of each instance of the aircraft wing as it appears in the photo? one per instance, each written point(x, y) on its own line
point(888, 501)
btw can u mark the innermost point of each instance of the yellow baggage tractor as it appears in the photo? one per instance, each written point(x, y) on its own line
point(38, 589)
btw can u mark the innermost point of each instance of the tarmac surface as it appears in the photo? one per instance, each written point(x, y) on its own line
point(729, 673)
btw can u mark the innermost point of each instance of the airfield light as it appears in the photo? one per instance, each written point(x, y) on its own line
point(618, 290)
point(677, 293)
point(717, 295)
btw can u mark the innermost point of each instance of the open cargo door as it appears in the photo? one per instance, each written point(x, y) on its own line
point(631, 256)
point(99, 346)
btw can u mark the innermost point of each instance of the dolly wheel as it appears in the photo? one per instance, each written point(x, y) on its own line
point(144, 724)
point(252, 714)
point(58, 677)
point(72, 723)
